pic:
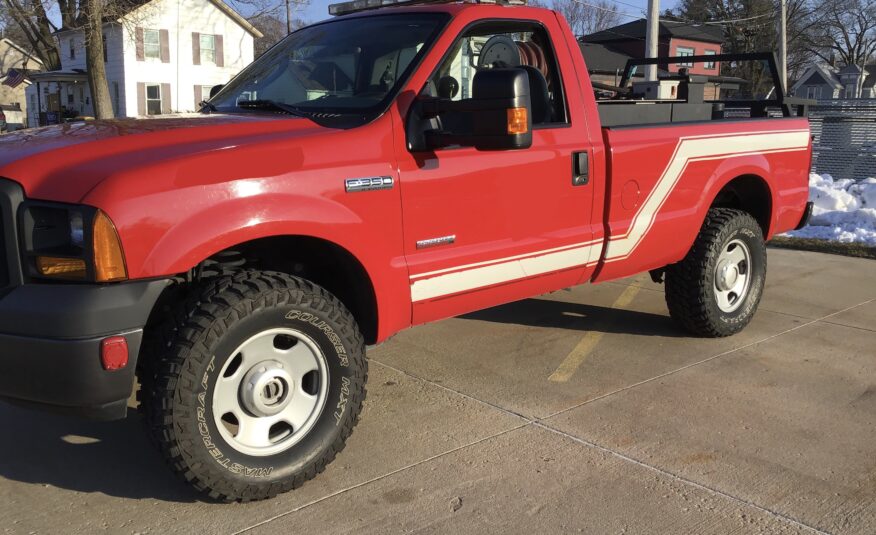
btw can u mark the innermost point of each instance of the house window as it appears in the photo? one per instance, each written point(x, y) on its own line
point(72, 49)
point(115, 98)
point(709, 65)
point(208, 49)
point(850, 91)
point(205, 92)
point(684, 51)
point(153, 99)
point(105, 56)
point(813, 92)
point(151, 44)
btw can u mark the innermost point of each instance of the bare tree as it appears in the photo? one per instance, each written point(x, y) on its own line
point(31, 21)
point(92, 25)
point(846, 31)
point(584, 17)
point(273, 30)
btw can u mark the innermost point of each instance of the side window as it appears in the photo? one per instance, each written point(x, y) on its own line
point(504, 44)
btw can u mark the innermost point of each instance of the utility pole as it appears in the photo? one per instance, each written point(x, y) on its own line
point(783, 45)
point(289, 17)
point(652, 32)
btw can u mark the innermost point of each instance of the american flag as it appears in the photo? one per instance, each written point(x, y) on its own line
point(14, 78)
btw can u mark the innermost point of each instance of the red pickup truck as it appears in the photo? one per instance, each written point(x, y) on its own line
point(383, 169)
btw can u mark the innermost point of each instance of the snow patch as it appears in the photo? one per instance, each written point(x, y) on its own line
point(844, 211)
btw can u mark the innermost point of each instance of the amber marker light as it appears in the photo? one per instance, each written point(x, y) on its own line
point(70, 268)
point(517, 121)
point(109, 262)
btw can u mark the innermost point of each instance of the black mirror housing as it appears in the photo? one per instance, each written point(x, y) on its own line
point(497, 117)
point(215, 90)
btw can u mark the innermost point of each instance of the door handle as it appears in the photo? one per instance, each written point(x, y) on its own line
point(580, 168)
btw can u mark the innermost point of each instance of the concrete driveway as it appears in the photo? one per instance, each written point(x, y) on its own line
point(576, 412)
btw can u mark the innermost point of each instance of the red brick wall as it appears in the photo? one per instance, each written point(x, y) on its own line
point(699, 49)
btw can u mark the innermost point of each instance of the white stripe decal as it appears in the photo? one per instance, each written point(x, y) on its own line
point(501, 260)
point(478, 277)
point(694, 149)
point(457, 279)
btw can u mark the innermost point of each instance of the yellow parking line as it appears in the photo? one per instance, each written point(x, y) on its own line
point(578, 355)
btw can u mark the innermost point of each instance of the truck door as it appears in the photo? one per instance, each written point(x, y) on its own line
point(487, 227)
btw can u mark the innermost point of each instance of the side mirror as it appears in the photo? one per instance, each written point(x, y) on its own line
point(497, 117)
point(215, 90)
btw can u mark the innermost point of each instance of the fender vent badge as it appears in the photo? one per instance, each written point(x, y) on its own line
point(369, 183)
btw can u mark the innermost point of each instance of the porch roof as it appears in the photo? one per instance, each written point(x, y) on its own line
point(75, 75)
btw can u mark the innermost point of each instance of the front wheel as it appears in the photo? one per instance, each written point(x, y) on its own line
point(257, 385)
point(714, 291)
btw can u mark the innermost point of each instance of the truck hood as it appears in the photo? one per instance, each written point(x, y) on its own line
point(63, 163)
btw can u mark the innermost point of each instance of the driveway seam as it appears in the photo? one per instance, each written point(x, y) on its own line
point(709, 359)
point(539, 422)
point(381, 477)
point(679, 478)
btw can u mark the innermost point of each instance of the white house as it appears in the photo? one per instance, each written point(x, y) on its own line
point(161, 57)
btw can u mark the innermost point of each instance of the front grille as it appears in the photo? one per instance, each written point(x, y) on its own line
point(11, 197)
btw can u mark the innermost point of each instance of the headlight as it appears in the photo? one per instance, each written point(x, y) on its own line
point(71, 243)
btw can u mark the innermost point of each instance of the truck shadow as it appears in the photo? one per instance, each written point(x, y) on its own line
point(579, 317)
point(112, 458)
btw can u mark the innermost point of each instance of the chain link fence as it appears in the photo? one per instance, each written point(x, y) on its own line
point(845, 138)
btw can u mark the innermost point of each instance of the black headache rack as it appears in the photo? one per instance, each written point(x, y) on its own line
point(628, 108)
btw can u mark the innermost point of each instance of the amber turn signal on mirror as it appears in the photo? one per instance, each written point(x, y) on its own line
point(518, 121)
point(109, 262)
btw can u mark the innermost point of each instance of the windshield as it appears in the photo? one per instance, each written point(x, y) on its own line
point(351, 66)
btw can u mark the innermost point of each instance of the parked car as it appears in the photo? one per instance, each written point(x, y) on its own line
point(383, 169)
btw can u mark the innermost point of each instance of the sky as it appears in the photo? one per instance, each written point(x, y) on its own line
point(318, 9)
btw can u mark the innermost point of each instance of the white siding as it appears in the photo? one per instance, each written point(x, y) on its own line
point(200, 16)
point(180, 18)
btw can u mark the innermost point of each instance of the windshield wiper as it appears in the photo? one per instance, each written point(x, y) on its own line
point(263, 104)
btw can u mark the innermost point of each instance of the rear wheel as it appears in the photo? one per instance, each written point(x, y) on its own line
point(256, 386)
point(715, 290)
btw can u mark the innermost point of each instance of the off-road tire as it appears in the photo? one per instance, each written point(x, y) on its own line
point(690, 284)
point(187, 352)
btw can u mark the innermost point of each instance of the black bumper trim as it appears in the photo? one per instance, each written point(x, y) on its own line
point(807, 213)
point(50, 336)
point(66, 374)
point(78, 310)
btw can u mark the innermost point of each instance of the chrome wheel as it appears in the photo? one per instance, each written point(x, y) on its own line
point(271, 392)
point(732, 276)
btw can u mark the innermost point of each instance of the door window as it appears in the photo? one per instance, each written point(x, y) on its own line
point(504, 44)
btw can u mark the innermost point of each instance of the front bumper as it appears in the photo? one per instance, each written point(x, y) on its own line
point(50, 334)
point(50, 339)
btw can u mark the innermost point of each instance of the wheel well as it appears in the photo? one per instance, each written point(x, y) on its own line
point(751, 194)
point(319, 261)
